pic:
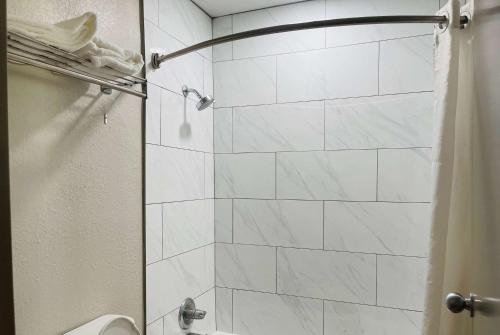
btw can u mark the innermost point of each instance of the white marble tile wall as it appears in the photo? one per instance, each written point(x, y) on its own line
point(351, 319)
point(279, 43)
point(262, 313)
point(246, 267)
point(285, 223)
point(322, 144)
point(245, 82)
point(180, 251)
point(279, 127)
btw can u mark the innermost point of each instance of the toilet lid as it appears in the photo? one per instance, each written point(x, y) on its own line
point(120, 326)
point(108, 324)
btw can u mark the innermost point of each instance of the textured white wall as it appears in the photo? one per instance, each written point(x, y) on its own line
point(76, 184)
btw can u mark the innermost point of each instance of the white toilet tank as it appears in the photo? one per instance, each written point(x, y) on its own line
point(108, 324)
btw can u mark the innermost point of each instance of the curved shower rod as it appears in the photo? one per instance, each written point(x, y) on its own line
point(157, 59)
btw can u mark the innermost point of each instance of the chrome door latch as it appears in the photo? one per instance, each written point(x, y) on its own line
point(457, 303)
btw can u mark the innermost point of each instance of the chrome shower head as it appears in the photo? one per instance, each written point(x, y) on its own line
point(204, 101)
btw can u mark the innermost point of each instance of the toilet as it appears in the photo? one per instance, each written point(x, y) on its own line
point(109, 324)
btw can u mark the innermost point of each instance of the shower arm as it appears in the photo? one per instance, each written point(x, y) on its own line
point(441, 20)
point(186, 90)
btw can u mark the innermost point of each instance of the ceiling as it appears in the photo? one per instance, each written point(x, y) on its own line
point(216, 8)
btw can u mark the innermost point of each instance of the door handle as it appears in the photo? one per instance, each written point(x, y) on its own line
point(457, 303)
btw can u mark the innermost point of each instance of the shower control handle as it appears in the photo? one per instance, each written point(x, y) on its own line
point(194, 314)
point(188, 313)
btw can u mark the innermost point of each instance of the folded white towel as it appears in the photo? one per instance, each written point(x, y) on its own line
point(78, 35)
point(102, 53)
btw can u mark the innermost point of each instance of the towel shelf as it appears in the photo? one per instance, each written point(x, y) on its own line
point(25, 50)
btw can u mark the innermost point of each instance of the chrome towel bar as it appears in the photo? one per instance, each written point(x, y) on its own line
point(24, 50)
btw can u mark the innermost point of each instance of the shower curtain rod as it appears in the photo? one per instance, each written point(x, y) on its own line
point(157, 59)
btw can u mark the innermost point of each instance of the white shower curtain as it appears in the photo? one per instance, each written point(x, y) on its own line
point(452, 169)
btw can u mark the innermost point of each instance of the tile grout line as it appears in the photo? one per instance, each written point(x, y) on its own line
point(321, 299)
point(323, 316)
point(232, 129)
point(275, 175)
point(320, 48)
point(326, 250)
point(320, 150)
point(181, 253)
point(232, 220)
point(177, 148)
point(323, 224)
point(308, 200)
point(376, 280)
point(376, 180)
point(329, 99)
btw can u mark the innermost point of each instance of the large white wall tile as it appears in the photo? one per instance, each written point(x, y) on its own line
point(279, 127)
point(173, 174)
point(263, 313)
point(353, 319)
point(393, 121)
point(377, 227)
point(224, 309)
point(245, 175)
point(351, 35)
point(209, 175)
point(166, 283)
point(406, 65)
point(223, 130)
point(285, 223)
point(222, 26)
point(401, 282)
point(154, 235)
point(279, 43)
point(151, 10)
point(245, 82)
point(246, 267)
point(153, 115)
point(186, 22)
point(224, 220)
point(172, 74)
point(330, 73)
point(331, 275)
point(183, 126)
point(187, 225)
point(404, 175)
point(327, 175)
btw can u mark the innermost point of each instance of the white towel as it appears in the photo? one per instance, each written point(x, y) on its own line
point(78, 35)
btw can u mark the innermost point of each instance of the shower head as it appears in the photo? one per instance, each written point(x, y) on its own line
point(204, 102)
